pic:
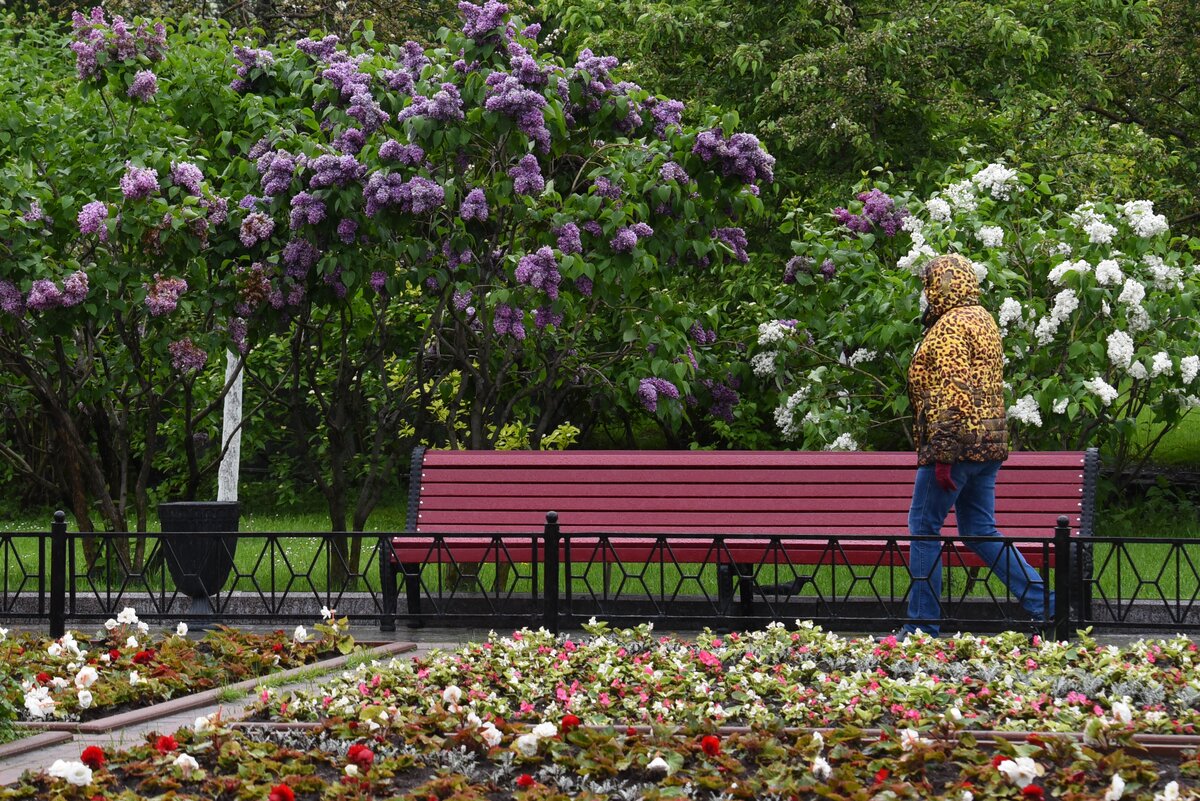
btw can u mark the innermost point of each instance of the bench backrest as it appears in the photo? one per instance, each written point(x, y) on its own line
point(714, 492)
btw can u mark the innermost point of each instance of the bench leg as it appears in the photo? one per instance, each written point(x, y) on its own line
point(724, 588)
point(387, 585)
point(412, 588)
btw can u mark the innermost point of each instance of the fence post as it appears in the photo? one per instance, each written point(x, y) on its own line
point(1062, 579)
point(550, 571)
point(58, 575)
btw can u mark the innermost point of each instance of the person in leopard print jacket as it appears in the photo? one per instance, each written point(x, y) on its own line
point(956, 390)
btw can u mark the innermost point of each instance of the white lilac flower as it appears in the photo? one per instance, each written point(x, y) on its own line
point(1120, 349)
point(1142, 219)
point(527, 744)
point(1189, 368)
point(181, 630)
point(1062, 249)
point(785, 415)
point(1116, 788)
point(821, 769)
point(915, 258)
point(861, 355)
point(1093, 224)
point(451, 695)
point(1021, 771)
point(1065, 304)
point(844, 442)
point(127, 616)
point(1138, 318)
point(1138, 371)
point(962, 196)
point(86, 677)
point(1060, 405)
point(981, 271)
point(1122, 713)
point(914, 225)
point(1166, 276)
point(1108, 273)
point(938, 209)
point(75, 773)
point(1060, 270)
point(1010, 312)
point(545, 729)
point(85, 698)
point(1101, 389)
point(997, 180)
point(992, 236)
point(1160, 364)
point(1133, 293)
point(300, 634)
point(763, 364)
point(1027, 411)
point(771, 332)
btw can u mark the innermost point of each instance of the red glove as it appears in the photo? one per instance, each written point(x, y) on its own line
point(941, 472)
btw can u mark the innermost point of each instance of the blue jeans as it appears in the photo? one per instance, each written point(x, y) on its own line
point(975, 507)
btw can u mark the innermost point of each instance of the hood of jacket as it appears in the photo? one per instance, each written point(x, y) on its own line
point(949, 282)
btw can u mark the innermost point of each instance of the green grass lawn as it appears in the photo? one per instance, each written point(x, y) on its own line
point(1181, 446)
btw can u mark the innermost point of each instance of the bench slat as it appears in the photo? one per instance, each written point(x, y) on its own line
point(701, 459)
point(582, 475)
point(502, 487)
point(847, 531)
point(655, 519)
point(589, 503)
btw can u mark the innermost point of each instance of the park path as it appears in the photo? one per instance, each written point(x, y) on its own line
point(13, 767)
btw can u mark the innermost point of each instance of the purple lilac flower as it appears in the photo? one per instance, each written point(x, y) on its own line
point(44, 295)
point(276, 168)
point(702, 336)
point(606, 188)
point(334, 280)
point(391, 150)
point(740, 156)
point(597, 69)
point(795, 265)
point(414, 58)
point(650, 389)
point(625, 240)
point(378, 282)
point(346, 231)
point(400, 80)
point(306, 208)
point(350, 141)
point(321, 50)
point(144, 86)
point(508, 96)
point(91, 219)
point(163, 295)
point(480, 22)
point(527, 176)
point(525, 67)
point(632, 120)
point(432, 284)
point(461, 300)
point(346, 78)
point(94, 35)
point(667, 115)
point(237, 335)
point(461, 66)
point(593, 228)
point(531, 31)
point(256, 227)
point(248, 202)
point(187, 175)
point(299, 256)
point(735, 238)
point(828, 269)
point(854, 222)
point(509, 320)
point(568, 239)
point(445, 105)
point(368, 112)
point(584, 285)
point(11, 301)
point(415, 197)
point(724, 398)
point(186, 357)
point(250, 59)
point(258, 149)
point(474, 206)
point(642, 230)
point(880, 209)
point(335, 171)
point(540, 270)
point(544, 316)
point(138, 182)
point(671, 171)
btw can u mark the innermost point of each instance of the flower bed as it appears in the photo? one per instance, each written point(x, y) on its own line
point(799, 677)
point(122, 667)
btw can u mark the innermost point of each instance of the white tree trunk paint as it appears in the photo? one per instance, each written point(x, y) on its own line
point(231, 433)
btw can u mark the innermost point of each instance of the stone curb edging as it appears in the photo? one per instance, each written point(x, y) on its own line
point(34, 743)
point(176, 705)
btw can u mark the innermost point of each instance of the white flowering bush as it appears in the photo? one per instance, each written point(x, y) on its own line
point(1095, 300)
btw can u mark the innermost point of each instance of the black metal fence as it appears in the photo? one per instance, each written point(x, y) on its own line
point(559, 579)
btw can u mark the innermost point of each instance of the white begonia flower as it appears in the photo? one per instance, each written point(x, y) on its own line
point(1120, 349)
point(545, 729)
point(763, 364)
point(134, 678)
point(110, 624)
point(910, 738)
point(351, 770)
point(1021, 771)
point(105, 658)
point(327, 613)
point(131, 642)
point(659, 765)
point(1133, 293)
point(962, 196)
point(1027, 411)
point(143, 627)
point(938, 209)
point(86, 677)
point(186, 763)
point(1108, 273)
point(1102, 389)
point(1122, 713)
point(991, 236)
point(300, 634)
point(1060, 405)
point(1160, 364)
point(818, 740)
point(473, 720)
point(821, 769)
point(181, 630)
point(85, 699)
point(38, 702)
point(203, 725)
point(1142, 219)
point(844, 442)
point(1169, 793)
point(75, 773)
point(967, 795)
point(1116, 788)
point(451, 695)
point(59, 683)
point(1189, 368)
point(490, 734)
point(127, 616)
point(55, 649)
point(527, 744)
point(3, 634)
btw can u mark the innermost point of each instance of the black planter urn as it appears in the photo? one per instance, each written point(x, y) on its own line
point(199, 564)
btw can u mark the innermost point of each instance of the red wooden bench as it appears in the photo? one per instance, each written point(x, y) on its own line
point(731, 507)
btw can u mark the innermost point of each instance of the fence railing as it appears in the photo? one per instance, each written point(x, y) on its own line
point(560, 579)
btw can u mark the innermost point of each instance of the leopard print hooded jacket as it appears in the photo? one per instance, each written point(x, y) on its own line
point(956, 378)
